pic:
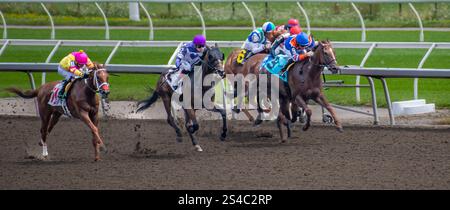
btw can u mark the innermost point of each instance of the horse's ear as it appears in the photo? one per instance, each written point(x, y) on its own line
point(216, 45)
point(223, 56)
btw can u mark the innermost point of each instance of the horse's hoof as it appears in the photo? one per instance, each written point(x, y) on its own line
point(103, 149)
point(198, 148)
point(251, 119)
point(179, 139)
point(283, 141)
point(340, 129)
point(257, 122)
point(223, 137)
point(305, 128)
point(40, 144)
point(97, 159)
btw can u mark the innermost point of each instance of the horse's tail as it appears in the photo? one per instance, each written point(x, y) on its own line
point(27, 94)
point(148, 102)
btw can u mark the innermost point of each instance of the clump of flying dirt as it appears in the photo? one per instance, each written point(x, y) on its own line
point(141, 151)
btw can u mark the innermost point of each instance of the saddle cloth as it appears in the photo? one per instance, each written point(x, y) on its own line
point(171, 78)
point(54, 99)
point(58, 102)
point(275, 65)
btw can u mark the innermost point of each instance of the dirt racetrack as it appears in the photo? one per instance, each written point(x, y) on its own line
point(363, 157)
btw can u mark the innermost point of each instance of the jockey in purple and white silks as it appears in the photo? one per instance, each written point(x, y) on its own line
point(188, 56)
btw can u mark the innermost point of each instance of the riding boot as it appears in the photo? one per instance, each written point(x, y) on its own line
point(249, 54)
point(62, 92)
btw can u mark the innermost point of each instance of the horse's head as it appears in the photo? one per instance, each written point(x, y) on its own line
point(213, 61)
point(326, 56)
point(99, 77)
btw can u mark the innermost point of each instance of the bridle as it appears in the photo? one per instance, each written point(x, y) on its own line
point(216, 70)
point(95, 82)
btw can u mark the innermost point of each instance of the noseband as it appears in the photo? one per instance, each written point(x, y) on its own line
point(95, 82)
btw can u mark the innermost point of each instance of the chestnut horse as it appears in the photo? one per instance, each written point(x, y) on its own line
point(305, 83)
point(82, 102)
point(251, 66)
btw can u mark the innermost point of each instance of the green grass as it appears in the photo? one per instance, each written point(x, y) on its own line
point(221, 14)
point(135, 87)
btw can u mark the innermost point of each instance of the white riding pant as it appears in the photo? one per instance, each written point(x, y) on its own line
point(253, 47)
point(66, 74)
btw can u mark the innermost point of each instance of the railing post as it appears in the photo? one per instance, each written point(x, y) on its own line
point(33, 87)
point(421, 37)
point(416, 80)
point(4, 46)
point(150, 22)
point(105, 19)
point(388, 101)
point(5, 30)
point(201, 18)
point(363, 26)
point(251, 15)
point(306, 17)
point(113, 52)
point(363, 62)
point(49, 58)
point(374, 101)
point(52, 35)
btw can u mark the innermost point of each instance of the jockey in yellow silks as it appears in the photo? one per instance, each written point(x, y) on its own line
point(70, 68)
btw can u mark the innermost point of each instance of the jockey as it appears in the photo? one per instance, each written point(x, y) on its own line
point(297, 47)
point(291, 23)
point(70, 68)
point(278, 45)
point(257, 41)
point(188, 56)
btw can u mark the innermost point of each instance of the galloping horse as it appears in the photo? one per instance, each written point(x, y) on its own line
point(212, 62)
point(82, 102)
point(305, 83)
point(251, 66)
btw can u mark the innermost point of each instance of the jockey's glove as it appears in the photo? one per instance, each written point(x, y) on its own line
point(268, 46)
point(78, 73)
point(309, 54)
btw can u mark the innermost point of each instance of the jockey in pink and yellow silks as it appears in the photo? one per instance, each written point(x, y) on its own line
point(70, 67)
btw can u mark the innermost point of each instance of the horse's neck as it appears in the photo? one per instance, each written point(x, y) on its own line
point(316, 68)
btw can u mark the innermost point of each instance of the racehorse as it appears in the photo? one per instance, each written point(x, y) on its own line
point(212, 62)
point(251, 66)
point(305, 83)
point(82, 102)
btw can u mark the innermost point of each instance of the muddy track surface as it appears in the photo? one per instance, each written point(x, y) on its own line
point(143, 154)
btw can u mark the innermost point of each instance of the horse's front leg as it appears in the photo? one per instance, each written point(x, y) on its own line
point(324, 102)
point(94, 118)
point(223, 113)
point(84, 116)
point(300, 102)
point(192, 126)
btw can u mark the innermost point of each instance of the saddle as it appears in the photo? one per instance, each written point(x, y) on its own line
point(241, 56)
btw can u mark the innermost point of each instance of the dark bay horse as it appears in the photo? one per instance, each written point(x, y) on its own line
point(212, 62)
point(305, 82)
point(251, 66)
point(82, 102)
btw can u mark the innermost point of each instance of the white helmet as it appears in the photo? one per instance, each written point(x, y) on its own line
point(268, 27)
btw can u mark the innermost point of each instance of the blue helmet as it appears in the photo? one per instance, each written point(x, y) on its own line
point(268, 27)
point(303, 39)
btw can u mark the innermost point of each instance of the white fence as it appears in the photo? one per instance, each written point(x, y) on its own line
point(370, 73)
point(243, 2)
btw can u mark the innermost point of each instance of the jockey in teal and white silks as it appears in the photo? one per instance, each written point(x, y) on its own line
point(257, 41)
